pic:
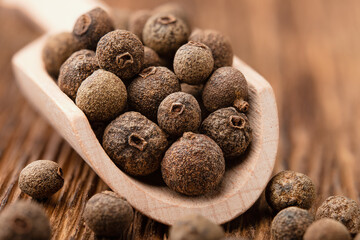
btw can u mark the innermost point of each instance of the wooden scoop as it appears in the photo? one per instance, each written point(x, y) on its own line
point(244, 180)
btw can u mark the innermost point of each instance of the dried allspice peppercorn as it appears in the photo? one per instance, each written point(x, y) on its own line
point(147, 91)
point(57, 49)
point(24, 220)
point(342, 209)
point(151, 58)
point(102, 96)
point(193, 63)
point(178, 113)
point(135, 143)
point(137, 22)
point(193, 165)
point(195, 227)
point(108, 214)
point(327, 229)
point(226, 87)
point(91, 26)
point(174, 9)
point(75, 70)
point(229, 129)
point(41, 179)
point(194, 90)
point(165, 33)
point(121, 53)
point(291, 224)
point(289, 188)
point(219, 44)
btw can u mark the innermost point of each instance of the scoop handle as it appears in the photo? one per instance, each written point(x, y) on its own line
point(55, 15)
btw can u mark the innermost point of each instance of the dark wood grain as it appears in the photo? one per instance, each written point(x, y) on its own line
point(308, 50)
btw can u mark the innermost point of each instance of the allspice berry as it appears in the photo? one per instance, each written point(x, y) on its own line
point(102, 96)
point(151, 58)
point(219, 44)
point(226, 87)
point(135, 143)
point(147, 91)
point(342, 209)
point(41, 179)
point(56, 50)
point(121, 53)
point(289, 188)
point(91, 26)
point(291, 224)
point(165, 33)
point(193, 165)
point(178, 113)
point(137, 22)
point(193, 63)
point(174, 9)
point(108, 214)
point(194, 90)
point(75, 70)
point(24, 220)
point(229, 129)
point(327, 229)
point(195, 227)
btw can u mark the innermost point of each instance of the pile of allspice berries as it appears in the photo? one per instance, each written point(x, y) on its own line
point(157, 95)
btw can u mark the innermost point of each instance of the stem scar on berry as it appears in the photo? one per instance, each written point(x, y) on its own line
point(123, 60)
point(135, 140)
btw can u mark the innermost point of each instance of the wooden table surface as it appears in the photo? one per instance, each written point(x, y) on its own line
point(308, 50)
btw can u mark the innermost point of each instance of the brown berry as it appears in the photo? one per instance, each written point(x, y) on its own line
point(193, 63)
point(342, 209)
point(194, 90)
point(291, 224)
point(151, 58)
point(229, 129)
point(135, 143)
point(75, 70)
point(174, 9)
point(178, 113)
point(226, 87)
point(102, 96)
point(219, 44)
point(327, 229)
point(41, 179)
point(289, 188)
point(147, 91)
point(108, 214)
point(165, 33)
point(56, 50)
point(193, 165)
point(91, 26)
point(137, 22)
point(195, 227)
point(24, 220)
point(121, 53)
